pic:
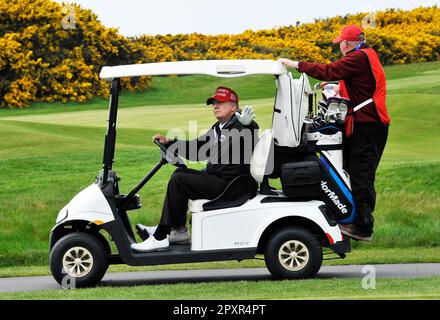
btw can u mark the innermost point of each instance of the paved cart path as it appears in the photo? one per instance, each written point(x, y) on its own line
point(212, 275)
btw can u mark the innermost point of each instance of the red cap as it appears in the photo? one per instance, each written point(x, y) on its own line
point(223, 94)
point(350, 33)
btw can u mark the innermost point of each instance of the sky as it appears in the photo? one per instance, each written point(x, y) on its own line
point(135, 17)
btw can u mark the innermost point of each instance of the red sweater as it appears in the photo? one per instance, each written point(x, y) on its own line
point(355, 70)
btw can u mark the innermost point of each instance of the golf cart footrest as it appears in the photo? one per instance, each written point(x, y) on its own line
point(342, 247)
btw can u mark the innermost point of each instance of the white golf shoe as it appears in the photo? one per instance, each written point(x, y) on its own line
point(151, 244)
point(177, 236)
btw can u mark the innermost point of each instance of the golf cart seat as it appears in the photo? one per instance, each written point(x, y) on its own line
point(236, 193)
point(243, 187)
point(262, 162)
point(262, 157)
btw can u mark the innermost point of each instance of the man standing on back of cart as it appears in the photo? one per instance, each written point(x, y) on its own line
point(362, 80)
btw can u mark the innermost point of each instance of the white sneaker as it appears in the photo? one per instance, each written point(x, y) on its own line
point(151, 244)
point(177, 236)
point(149, 230)
point(180, 236)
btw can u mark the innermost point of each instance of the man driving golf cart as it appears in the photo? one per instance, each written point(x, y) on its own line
point(227, 146)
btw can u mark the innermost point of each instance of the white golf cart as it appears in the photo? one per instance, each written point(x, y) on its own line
point(289, 227)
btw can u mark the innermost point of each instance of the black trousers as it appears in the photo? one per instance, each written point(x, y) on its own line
point(363, 151)
point(188, 184)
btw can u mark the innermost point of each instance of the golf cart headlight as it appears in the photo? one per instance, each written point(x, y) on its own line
point(62, 215)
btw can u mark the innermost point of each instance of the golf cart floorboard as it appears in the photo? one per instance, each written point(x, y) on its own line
point(176, 254)
point(182, 254)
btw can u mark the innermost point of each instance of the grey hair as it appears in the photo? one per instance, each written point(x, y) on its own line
point(234, 104)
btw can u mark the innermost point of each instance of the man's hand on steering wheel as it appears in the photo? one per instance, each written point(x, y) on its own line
point(162, 139)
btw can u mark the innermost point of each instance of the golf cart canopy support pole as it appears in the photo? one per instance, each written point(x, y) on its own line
point(110, 137)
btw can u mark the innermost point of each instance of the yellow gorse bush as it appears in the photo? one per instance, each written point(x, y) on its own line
point(42, 61)
point(399, 37)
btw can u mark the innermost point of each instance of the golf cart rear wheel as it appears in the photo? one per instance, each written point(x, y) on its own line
point(293, 253)
point(78, 260)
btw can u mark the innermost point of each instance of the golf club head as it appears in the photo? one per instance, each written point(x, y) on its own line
point(323, 104)
point(317, 121)
point(322, 108)
point(343, 108)
point(330, 118)
point(333, 108)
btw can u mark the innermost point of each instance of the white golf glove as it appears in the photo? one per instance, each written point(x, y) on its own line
point(289, 63)
point(246, 116)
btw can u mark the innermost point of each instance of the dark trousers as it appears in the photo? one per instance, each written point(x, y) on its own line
point(362, 154)
point(188, 184)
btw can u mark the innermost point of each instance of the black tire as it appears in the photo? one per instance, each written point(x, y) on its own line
point(82, 245)
point(308, 261)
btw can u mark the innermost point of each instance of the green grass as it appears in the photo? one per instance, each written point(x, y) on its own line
point(329, 289)
point(398, 72)
point(49, 152)
point(169, 90)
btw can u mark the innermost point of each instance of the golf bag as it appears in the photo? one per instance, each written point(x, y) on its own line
point(308, 158)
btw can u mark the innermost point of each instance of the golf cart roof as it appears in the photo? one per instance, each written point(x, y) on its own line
point(217, 68)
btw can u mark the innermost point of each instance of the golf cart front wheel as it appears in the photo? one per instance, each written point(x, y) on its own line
point(78, 260)
point(293, 253)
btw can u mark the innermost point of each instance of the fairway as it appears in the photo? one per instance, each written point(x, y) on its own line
point(49, 155)
point(163, 117)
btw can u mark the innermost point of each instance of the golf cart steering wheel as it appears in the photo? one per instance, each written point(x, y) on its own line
point(168, 157)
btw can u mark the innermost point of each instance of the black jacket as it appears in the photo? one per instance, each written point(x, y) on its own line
point(228, 153)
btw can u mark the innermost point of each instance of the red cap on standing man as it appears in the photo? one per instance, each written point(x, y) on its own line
point(351, 33)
